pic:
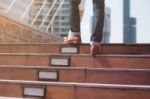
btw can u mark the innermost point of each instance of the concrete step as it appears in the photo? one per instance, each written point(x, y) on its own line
point(81, 75)
point(14, 98)
point(82, 49)
point(71, 60)
point(61, 90)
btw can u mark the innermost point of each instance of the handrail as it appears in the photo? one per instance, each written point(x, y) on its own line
point(12, 3)
point(27, 9)
point(38, 12)
point(48, 13)
point(60, 5)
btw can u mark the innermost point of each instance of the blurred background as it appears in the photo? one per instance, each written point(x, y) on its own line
point(126, 21)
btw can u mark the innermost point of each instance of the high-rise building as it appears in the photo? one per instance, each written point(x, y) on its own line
point(129, 24)
point(60, 26)
point(35, 18)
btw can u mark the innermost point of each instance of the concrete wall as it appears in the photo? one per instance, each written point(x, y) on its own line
point(12, 31)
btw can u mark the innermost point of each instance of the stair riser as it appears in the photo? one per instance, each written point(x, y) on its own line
point(70, 92)
point(122, 62)
point(24, 60)
point(77, 61)
point(29, 48)
point(79, 75)
point(119, 77)
point(86, 93)
point(126, 49)
point(39, 48)
point(83, 49)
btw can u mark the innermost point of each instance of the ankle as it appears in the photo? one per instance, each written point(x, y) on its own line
point(94, 50)
point(94, 43)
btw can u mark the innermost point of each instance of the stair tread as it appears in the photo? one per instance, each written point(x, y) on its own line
point(87, 55)
point(88, 85)
point(14, 98)
point(75, 68)
point(87, 44)
point(118, 48)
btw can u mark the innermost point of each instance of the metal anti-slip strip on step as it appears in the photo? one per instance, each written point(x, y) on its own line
point(69, 49)
point(34, 91)
point(42, 85)
point(59, 61)
point(48, 75)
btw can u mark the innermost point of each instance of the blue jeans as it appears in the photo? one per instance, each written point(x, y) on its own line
point(97, 22)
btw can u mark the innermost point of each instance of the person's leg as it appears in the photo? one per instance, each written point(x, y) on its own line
point(75, 17)
point(97, 23)
point(74, 22)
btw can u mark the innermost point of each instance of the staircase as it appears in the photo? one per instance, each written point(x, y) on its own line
point(57, 71)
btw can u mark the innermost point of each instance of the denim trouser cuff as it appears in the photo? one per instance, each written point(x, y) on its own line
point(75, 33)
point(94, 43)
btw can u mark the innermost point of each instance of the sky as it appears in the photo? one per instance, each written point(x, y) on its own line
point(139, 9)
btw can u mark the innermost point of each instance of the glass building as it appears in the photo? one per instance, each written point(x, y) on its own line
point(129, 24)
point(57, 17)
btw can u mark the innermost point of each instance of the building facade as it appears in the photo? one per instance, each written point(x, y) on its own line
point(129, 24)
point(60, 21)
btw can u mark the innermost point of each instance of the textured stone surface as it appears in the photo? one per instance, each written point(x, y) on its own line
point(15, 32)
